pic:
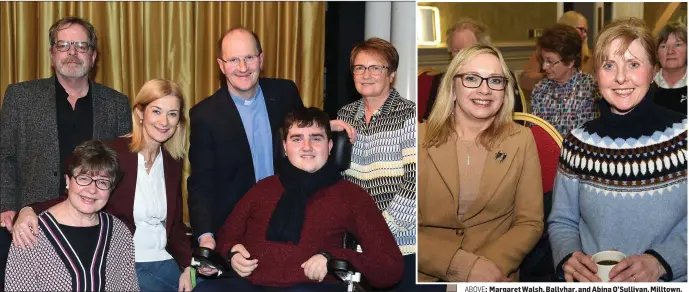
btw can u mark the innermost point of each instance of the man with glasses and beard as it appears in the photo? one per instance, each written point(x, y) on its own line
point(42, 118)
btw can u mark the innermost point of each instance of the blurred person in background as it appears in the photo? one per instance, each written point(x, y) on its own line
point(566, 97)
point(671, 80)
point(533, 71)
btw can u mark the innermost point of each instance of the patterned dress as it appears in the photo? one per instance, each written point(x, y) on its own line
point(54, 265)
point(384, 162)
point(622, 184)
point(566, 106)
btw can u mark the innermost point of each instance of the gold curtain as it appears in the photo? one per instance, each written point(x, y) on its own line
point(138, 41)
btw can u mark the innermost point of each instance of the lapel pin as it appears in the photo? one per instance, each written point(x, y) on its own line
point(500, 156)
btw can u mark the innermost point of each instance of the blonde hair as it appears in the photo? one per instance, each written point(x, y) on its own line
point(441, 121)
point(627, 30)
point(150, 92)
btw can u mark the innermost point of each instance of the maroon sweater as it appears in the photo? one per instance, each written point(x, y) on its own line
point(330, 212)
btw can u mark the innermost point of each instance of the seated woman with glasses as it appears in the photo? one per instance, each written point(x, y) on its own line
point(384, 153)
point(480, 190)
point(566, 97)
point(533, 70)
point(79, 247)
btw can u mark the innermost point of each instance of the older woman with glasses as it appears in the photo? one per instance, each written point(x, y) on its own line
point(565, 98)
point(79, 247)
point(533, 71)
point(384, 153)
point(480, 191)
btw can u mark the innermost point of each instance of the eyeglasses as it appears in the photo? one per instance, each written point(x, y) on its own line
point(582, 29)
point(375, 70)
point(549, 63)
point(471, 80)
point(234, 62)
point(85, 180)
point(63, 46)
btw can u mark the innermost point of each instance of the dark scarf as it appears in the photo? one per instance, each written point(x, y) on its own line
point(288, 217)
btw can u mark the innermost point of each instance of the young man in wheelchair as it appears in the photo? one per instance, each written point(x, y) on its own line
point(284, 231)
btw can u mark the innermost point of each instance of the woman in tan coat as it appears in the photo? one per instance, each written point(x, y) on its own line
point(480, 192)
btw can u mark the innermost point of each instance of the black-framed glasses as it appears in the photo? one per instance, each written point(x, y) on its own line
point(549, 63)
point(373, 69)
point(470, 80)
point(85, 180)
point(234, 62)
point(582, 29)
point(64, 46)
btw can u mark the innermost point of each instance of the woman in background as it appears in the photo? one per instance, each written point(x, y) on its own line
point(533, 71)
point(671, 80)
point(566, 97)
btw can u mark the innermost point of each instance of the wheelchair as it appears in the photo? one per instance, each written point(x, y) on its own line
point(340, 154)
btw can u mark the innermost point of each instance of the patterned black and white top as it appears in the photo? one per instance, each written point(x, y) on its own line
point(384, 162)
point(53, 264)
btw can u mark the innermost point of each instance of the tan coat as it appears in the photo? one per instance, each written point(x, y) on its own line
point(504, 222)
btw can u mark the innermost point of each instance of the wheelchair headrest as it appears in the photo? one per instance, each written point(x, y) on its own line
point(341, 154)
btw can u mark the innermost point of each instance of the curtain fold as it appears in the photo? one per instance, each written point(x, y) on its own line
point(139, 41)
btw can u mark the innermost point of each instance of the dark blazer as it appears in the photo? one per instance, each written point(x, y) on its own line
point(121, 202)
point(29, 146)
point(222, 169)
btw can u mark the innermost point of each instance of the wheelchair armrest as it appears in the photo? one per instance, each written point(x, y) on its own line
point(341, 265)
point(206, 257)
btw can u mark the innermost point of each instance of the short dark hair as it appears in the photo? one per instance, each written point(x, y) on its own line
point(69, 21)
point(307, 117)
point(563, 40)
point(379, 47)
point(93, 157)
point(678, 28)
point(256, 40)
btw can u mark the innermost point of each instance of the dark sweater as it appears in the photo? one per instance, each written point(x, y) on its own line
point(330, 212)
point(672, 98)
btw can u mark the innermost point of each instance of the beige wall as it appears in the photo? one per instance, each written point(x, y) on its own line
point(508, 22)
point(653, 11)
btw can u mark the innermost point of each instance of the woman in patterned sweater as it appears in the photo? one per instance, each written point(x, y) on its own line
point(79, 247)
point(622, 179)
point(566, 97)
point(384, 153)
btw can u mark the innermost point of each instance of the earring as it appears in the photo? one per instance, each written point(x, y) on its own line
point(141, 121)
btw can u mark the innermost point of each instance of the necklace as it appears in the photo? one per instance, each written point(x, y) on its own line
point(468, 151)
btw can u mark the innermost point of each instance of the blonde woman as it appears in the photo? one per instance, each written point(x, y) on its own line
point(480, 192)
point(533, 71)
point(149, 197)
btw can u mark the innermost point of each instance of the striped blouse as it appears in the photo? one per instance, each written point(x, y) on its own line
point(384, 162)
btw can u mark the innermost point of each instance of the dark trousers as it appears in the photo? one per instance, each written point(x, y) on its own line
point(242, 284)
point(5, 242)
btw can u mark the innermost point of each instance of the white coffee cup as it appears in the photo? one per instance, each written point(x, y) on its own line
point(604, 269)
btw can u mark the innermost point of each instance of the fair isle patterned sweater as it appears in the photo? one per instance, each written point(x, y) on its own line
point(622, 184)
point(384, 162)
